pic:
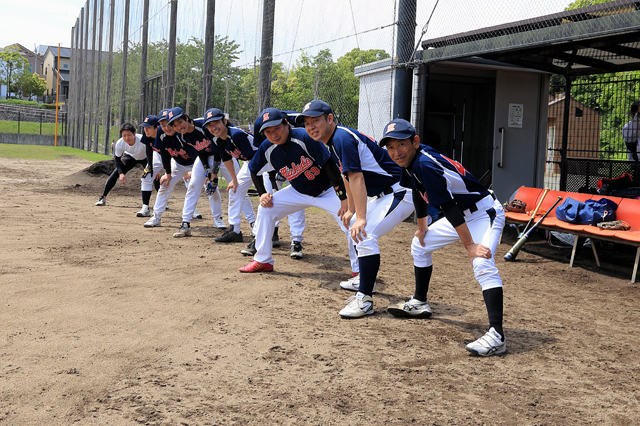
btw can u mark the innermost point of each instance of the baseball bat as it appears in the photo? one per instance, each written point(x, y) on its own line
point(511, 254)
point(533, 215)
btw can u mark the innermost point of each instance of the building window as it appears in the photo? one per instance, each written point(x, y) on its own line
point(65, 66)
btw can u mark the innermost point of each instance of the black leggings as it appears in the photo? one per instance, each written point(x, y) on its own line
point(128, 163)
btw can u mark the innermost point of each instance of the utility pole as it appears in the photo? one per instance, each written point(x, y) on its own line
point(266, 54)
point(403, 75)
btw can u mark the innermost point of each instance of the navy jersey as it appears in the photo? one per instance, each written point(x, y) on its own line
point(146, 140)
point(199, 140)
point(353, 151)
point(301, 164)
point(239, 145)
point(183, 154)
point(439, 179)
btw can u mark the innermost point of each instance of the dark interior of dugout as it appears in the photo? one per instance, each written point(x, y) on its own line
point(458, 119)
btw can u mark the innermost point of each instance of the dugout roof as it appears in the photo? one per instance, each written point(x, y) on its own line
point(591, 40)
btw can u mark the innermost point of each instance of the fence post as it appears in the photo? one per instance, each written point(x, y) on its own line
point(171, 60)
point(565, 134)
point(209, 40)
point(142, 110)
point(18, 121)
point(109, 100)
point(41, 114)
point(98, 85)
point(266, 54)
point(125, 51)
point(403, 75)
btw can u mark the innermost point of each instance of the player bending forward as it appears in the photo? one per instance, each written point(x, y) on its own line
point(308, 167)
point(471, 215)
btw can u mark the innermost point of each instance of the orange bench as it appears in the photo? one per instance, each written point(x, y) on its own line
point(628, 210)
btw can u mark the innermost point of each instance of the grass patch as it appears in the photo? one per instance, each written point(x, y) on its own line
point(29, 128)
point(49, 153)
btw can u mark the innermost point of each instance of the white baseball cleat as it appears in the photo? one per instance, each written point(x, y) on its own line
point(153, 222)
point(414, 308)
point(296, 250)
point(489, 344)
point(219, 223)
point(196, 214)
point(352, 283)
point(145, 211)
point(358, 306)
point(101, 202)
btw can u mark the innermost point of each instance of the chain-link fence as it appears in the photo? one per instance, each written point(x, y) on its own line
point(130, 58)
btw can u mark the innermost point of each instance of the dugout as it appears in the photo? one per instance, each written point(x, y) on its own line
point(496, 81)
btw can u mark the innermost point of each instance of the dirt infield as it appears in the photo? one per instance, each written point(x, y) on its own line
point(104, 322)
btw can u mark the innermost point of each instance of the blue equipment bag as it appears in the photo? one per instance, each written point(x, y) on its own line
point(591, 212)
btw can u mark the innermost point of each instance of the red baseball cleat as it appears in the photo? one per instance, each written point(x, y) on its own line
point(257, 267)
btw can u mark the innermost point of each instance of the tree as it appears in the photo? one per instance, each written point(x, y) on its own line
point(29, 85)
point(11, 65)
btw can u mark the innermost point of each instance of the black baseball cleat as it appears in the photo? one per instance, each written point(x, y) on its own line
point(250, 250)
point(275, 240)
point(229, 237)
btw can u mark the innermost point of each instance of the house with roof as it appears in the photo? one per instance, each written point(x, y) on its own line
point(33, 59)
point(54, 65)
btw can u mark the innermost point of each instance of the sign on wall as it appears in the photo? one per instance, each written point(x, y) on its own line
point(515, 115)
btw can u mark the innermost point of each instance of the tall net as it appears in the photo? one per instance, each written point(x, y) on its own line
point(345, 52)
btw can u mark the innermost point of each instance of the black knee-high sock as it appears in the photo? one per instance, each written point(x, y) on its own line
point(156, 184)
point(369, 266)
point(146, 196)
point(493, 298)
point(423, 277)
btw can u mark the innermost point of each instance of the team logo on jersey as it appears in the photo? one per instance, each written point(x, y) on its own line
point(391, 127)
point(265, 116)
point(424, 196)
point(236, 153)
point(306, 107)
point(459, 167)
point(199, 146)
point(175, 153)
point(296, 170)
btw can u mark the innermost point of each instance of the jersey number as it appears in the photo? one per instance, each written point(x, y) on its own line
point(312, 173)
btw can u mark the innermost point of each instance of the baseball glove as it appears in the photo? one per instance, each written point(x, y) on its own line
point(212, 186)
point(516, 206)
point(147, 170)
point(614, 225)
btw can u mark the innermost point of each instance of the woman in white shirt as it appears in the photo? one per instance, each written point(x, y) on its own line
point(127, 152)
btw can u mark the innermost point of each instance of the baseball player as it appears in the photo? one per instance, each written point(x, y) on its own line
point(192, 132)
point(273, 181)
point(368, 172)
point(127, 152)
point(150, 128)
point(308, 167)
point(471, 215)
point(234, 144)
point(177, 161)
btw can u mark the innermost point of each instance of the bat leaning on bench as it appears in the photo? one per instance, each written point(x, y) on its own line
point(511, 254)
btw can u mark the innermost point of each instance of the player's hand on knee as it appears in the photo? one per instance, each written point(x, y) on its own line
point(346, 218)
point(358, 233)
point(123, 179)
point(478, 250)
point(187, 177)
point(266, 200)
point(420, 233)
point(233, 186)
point(164, 180)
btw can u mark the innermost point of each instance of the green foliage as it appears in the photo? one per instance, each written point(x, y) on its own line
point(11, 65)
point(47, 106)
point(18, 102)
point(584, 3)
point(30, 85)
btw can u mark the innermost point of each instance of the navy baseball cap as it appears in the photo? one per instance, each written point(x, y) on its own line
point(163, 114)
point(315, 108)
point(213, 114)
point(271, 117)
point(397, 129)
point(150, 121)
point(174, 114)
